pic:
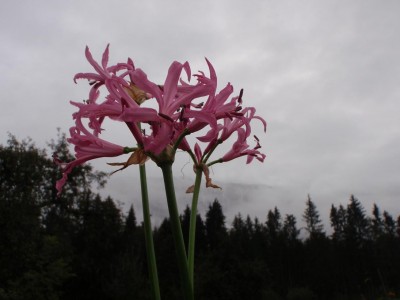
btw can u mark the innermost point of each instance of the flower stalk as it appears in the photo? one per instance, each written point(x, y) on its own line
point(177, 231)
point(193, 219)
point(151, 257)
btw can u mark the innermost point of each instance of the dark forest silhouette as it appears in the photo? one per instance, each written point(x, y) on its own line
point(81, 246)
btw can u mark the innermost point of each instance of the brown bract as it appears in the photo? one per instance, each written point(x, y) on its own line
point(137, 158)
point(137, 94)
point(209, 182)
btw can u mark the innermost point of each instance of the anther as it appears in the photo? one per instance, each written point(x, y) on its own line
point(240, 96)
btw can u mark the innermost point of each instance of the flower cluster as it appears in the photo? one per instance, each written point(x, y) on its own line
point(182, 109)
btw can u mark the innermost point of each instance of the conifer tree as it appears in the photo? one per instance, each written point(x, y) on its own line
point(130, 280)
point(130, 228)
point(237, 224)
point(259, 238)
point(201, 237)
point(215, 225)
point(249, 226)
point(163, 243)
point(389, 225)
point(338, 222)
point(200, 243)
point(185, 223)
point(290, 230)
point(356, 228)
point(377, 226)
point(313, 222)
point(273, 224)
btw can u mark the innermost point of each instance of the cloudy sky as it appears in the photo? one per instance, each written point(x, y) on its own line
point(324, 74)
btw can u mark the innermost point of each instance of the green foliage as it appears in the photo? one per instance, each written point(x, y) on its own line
point(301, 294)
point(51, 247)
point(270, 295)
point(27, 270)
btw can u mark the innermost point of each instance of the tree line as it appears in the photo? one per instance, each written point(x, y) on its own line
point(82, 246)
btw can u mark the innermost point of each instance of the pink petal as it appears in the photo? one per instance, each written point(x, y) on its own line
point(198, 153)
point(95, 65)
point(104, 60)
point(88, 76)
point(171, 84)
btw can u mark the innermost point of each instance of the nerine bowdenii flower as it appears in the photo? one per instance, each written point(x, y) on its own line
point(179, 108)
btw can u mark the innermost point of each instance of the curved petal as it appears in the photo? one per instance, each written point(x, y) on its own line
point(202, 119)
point(171, 84)
point(187, 69)
point(104, 60)
point(88, 76)
point(140, 79)
point(94, 64)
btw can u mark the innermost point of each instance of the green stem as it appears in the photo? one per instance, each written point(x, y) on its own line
point(177, 230)
point(215, 162)
point(218, 142)
point(192, 228)
point(151, 256)
point(179, 140)
point(192, 156)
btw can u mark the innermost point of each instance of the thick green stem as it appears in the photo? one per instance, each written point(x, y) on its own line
point(151, 256)
point(193, 219)
point(177, 230)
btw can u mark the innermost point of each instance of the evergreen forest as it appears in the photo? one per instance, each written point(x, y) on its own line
point(83, 246)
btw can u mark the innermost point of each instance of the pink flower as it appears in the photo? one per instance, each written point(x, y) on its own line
point(87, 147)
point(179, 113)
point(240, 148)
point(213, 109)
point(173, 100)
point(172, 96)
point(122, 102)
point(231, 125)
point(167, 123)
point(219, 107)
point(105, 75)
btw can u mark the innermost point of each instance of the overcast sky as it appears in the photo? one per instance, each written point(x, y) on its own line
point(324, 74)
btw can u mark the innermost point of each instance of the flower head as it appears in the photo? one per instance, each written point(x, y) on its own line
point(181, 108)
